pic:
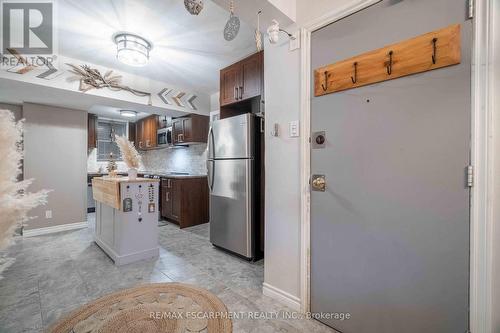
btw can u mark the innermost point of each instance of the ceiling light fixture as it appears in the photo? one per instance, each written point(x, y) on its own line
point(132, 49)
point(128, 113)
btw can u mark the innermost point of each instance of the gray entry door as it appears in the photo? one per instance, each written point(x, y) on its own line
point(390, 236)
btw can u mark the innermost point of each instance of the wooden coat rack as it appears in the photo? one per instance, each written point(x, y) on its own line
point(437, 49)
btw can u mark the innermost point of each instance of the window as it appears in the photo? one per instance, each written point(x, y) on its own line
point(106, 132)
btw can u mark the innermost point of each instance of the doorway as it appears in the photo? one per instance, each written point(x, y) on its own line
point(390, 235)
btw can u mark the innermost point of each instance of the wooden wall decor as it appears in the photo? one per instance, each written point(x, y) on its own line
point(437, 49)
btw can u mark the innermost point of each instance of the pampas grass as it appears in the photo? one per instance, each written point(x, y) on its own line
point(129, 154)
point(15, 201)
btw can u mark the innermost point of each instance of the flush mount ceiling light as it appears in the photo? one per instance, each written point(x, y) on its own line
point(132, 49)
point(128, 113)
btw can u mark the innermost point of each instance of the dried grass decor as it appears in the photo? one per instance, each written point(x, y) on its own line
point(91, 78)
point(129, 154)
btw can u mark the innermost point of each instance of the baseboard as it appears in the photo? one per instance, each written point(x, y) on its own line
point(54, 229)
point(291, 301)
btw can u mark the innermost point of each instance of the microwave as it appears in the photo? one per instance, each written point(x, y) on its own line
point(164, 137)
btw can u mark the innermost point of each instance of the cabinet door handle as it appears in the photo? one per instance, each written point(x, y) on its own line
point(168, 196)
point(168, 183)
point(241, 92)
point(235, 93)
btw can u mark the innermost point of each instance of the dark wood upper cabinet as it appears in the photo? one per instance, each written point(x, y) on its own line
point(251, 76)
point(190, 130)
point(243, 80)
point(146, 132)
point(230, 79)
point(91, 131)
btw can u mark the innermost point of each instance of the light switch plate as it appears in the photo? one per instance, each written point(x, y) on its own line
point(295, 43)
point(294, 129)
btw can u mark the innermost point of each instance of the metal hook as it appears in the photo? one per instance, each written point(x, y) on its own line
point(355, 78)
point(389, 67)
point(325, 86)
point(434, 40)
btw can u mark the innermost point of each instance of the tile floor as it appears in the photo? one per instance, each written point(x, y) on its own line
point(57, 273)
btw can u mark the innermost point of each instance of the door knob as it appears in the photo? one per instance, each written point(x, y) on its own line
point(318, 183)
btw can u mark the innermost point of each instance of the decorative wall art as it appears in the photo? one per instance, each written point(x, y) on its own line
point(433, 50)
point(91, 78)
point(232, 26)
point(51, 72)
point(170, 96)
point(23, 66)
point(194, 7)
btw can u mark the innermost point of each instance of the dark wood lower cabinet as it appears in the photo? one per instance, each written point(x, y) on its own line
point(185, 200)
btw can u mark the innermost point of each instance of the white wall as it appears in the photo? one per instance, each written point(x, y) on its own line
point(496, 166)
point(288, 7)
point(214, 102)
point(55, 144)
point(282, 91)
point(308, 10)
point(282, 213)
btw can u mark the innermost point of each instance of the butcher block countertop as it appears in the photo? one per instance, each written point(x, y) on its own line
point(124, 179)
point(107, 189)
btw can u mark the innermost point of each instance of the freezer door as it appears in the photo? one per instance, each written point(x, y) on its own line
point(232, 137)
point(231, 217)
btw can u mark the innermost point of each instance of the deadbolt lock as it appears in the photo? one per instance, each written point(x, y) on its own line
point(318, 140)
point(318, 183)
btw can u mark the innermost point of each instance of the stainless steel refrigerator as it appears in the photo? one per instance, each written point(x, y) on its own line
point(231, 177)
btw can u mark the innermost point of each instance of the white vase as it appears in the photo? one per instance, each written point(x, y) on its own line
point(132, 174)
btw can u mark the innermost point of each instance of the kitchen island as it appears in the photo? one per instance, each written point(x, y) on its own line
point(126, 218)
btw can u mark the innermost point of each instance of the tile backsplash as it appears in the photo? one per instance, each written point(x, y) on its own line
point(190, 159)
point(93, 165)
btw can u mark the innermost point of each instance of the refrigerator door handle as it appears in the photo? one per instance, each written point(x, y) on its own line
point(210, 176)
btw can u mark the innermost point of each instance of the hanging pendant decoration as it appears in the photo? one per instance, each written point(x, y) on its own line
point(194, 7)
point(232, 26)
point(258, 34)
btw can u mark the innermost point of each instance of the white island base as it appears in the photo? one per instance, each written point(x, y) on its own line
point(127, 218)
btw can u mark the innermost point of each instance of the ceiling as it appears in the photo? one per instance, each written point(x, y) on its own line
point(18, 92)
point(188, 50)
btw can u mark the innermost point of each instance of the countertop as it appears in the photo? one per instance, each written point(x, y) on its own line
point(171, 174)
point(155, 173)
point(125, 180)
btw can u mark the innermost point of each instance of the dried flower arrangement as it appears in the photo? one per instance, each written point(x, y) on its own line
point(129, 154)
point(15, 201)
point(91, 78)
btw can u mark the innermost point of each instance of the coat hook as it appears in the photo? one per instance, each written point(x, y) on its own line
point(325, 86)
point(434, 40)
point(355, 78)
point(389, 67)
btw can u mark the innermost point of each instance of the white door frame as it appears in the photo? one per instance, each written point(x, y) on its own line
point(481, 217)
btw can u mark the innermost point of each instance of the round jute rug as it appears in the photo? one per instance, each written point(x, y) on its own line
point(151, 308)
